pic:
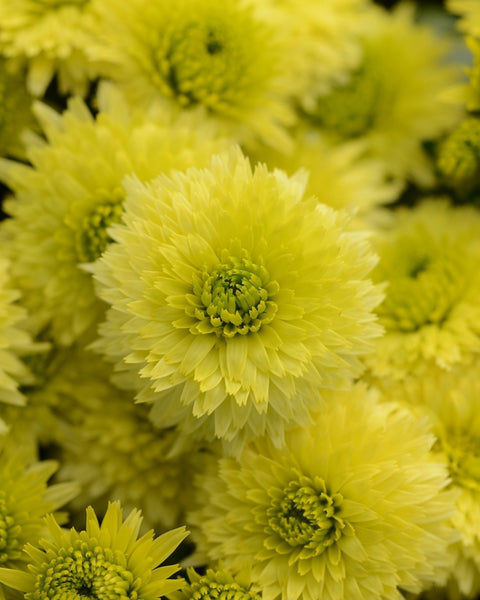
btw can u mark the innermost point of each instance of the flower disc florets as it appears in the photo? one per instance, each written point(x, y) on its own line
point(234, 297)
point(215, 584)
point(459, 155)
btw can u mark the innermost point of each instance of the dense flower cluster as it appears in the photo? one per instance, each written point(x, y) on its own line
point(239, 299)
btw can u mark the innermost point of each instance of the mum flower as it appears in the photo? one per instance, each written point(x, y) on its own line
point(431, 313)
point(469, 10)
point(222, 57)
point(104, 561)
point(65, 201)
point(50, 37)
point(392, 100)
point(25, 498)
point(235, 298)
point(216, 583)
point(352, 507)
point(450, 399)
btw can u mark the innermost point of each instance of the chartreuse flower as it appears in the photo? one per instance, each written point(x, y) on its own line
point(450, 399)
point(352, 507)
point(103, 562)
point(469, 10)
point(220, 56)
point(131, 460)
point(339, 174)
point(235, 298)
point(391, 101)
point(25, 498)
point(50, 37)
point(15, 110)
point(15, 340)
point(431, 313)
point(216, 584)
point(459, 156)
point(65, 201)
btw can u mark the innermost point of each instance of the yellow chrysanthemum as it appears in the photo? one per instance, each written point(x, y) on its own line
point(392, 101)
point(352, 507)
point(340, 174)
point(220, 56)
point(431, 313)
point(469, 10)
point(115, 453)
point(451, 401)
point(25, 498)
point(15, 340)
point(235, 298)
point(105, 561)
point(15, 110)
point(50, 37)
point(64, 203)
point(216, 583)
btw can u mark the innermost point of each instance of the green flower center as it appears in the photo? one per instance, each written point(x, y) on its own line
point(10, 547)
point(92, 237)
point(234, 297)
point(459, 156)
point(206, 589)
point(85, 571)
point(350, 110)
point(306, 515)
point(425, 280)
point(55, 4)
point(212, 55)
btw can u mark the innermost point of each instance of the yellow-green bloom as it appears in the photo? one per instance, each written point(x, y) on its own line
point(103, 561)
point(392, 100)
point(50, 37)
point(469, 10)
point(25, 498)
point(450, 399)
point(15, 340)
point(429, 257)
point(216, 583)
point(220, 56)
point(235, 298)
point(459, 156)
point(66, 200)
point(352, 507)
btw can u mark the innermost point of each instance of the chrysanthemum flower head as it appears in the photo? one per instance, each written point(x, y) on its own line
point(199, 53)
point(50, 37)
point(450, 399)
point(216, 583)
point(66, 200)
point(25, 498)
point(392, 100)
point(235, 298)
point(469, 10)
point(431, 313)
point(351, 507)
point(459, 156)
point(106, 560)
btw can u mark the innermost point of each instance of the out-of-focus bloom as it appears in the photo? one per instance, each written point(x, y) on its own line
point(392, 100)
point(216, 583)
point(335, 513)
point(429, 256)
point(15, 340)
point(451, 401)
point(104, 561)
point(459, 156)
point(236, 299)
point(15, 110)
point(469, 10)
point(50, 37)
point(220, 56)
point(25, 498)
point(64, 203)
point(114, 452)
point(340, 175)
